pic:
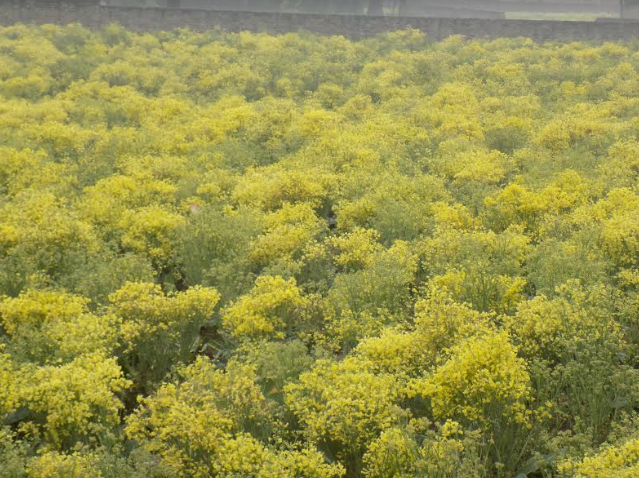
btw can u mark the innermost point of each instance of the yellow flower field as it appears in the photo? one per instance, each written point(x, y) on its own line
point(254, 256)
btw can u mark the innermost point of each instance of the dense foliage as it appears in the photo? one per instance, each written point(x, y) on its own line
point(240, 255)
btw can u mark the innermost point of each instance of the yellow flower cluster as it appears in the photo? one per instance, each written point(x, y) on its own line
point(356, 249)
point(148, 312)
point(612, 462)
point(482, 378)
point(397, 453)
point(345, 402)
point(199, 428)
point(58, 465)
point(272, 307)
point(10, 393)
point(554, 328)
point(288, 231)
point(159, 330)
point(37, 308)
point(53, 327)
point(77, 400)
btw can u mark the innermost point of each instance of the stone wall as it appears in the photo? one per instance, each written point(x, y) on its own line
point(149, 19)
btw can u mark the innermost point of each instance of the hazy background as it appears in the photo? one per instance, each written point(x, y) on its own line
point(523, 9)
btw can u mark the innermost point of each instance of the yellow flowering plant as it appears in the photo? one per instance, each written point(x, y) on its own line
point(482, 381)
point(159, 330)
point(211, 424)
point(343, 405)
point(272, 309)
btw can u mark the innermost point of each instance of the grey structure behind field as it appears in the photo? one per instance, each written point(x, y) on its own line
point(353, 26)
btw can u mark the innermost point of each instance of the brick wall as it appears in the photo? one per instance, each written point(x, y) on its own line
point(149, 19)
